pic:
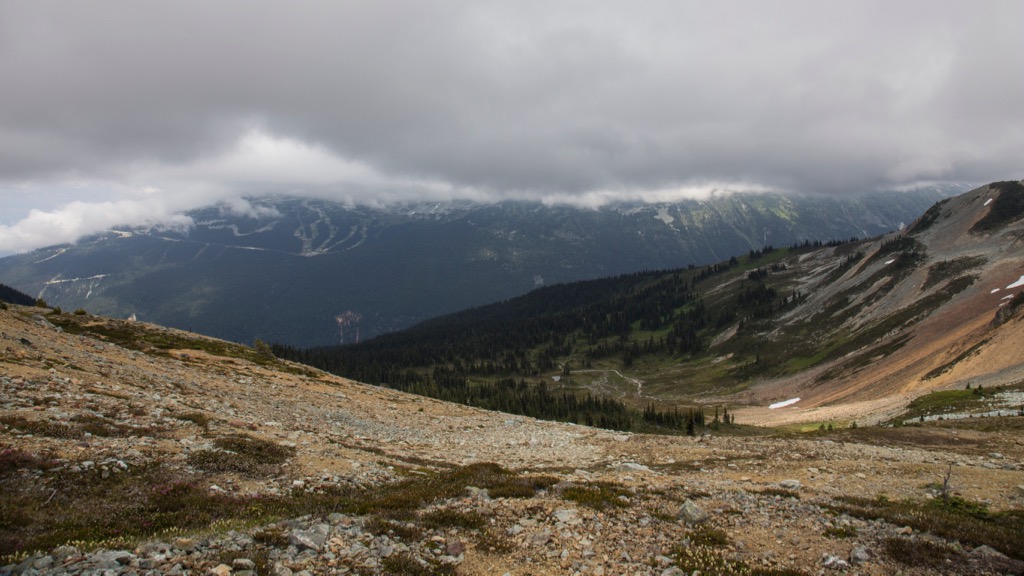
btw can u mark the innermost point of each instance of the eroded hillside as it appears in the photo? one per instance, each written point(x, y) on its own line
point(935, 306)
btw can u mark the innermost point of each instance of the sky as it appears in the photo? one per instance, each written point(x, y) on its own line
point(117, 113)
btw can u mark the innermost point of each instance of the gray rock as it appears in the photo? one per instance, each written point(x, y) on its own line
point(673, 571)
point(541, 538)
point(478, 493)
point(988, 552)
point(691, 514)
point(243, 564)
point(834, 562)
point(312, 539)
point(62, 553)
point(567, 516)
point(113, 560)
point(632, 467)
point(859, 555)
point(791, 484)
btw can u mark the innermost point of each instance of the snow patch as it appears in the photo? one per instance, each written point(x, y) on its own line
point(55, 254)
point(784, 403)
point(1007, 297)
point(58, 280)
point(664, 216)
point(995, 290)
point(887, 262)
point(987, 202)
point(1017, 284)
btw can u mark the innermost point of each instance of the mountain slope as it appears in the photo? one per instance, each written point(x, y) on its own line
point(311, 272)
point(854, 329)
point(128, 447)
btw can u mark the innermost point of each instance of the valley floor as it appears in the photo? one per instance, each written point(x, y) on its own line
point(139, 459)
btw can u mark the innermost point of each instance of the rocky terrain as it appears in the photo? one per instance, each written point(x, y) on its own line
point(128, 448)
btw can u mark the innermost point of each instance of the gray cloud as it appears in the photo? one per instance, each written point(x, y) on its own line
point(569, 101)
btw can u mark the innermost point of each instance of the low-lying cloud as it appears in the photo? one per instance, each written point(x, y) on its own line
point(118, 112)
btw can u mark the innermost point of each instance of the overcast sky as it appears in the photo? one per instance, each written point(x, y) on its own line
point(129, 112)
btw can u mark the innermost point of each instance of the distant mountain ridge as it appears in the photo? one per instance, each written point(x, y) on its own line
point(312, 272)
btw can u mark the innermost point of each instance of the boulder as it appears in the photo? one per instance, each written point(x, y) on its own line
point(691, 514)
point(312, 539)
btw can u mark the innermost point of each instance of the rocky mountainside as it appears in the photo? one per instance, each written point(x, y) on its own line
point(128, 448)
point(310, 272)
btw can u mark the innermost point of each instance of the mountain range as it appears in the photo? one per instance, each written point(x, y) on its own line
point(850, 329)
point(308, 272)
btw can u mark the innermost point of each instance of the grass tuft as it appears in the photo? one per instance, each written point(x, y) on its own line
point(242, 454)
point(599, 496)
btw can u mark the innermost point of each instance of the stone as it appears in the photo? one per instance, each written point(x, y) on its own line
point(632, 467)
point(478, 493)
point(791, 484)
point(312, 539)
point(988, 552)
point(568, 516)
point(691, 514)
point(859, 555)
point(541, 538)
point(673, 571)
point(834, 562)
point(243, 564)
point(62, 553)
point(220, 570)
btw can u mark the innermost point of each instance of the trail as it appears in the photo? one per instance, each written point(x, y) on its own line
point(603, 384)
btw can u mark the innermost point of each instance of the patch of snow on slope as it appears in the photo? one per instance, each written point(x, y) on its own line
point(987, 202)
point(1016, 284)
point(664, 216)
point(784, 403)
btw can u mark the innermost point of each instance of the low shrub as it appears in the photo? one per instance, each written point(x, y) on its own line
point(599, 496)
point(444, 518)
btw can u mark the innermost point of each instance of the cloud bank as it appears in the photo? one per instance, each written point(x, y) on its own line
point(119, 112)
